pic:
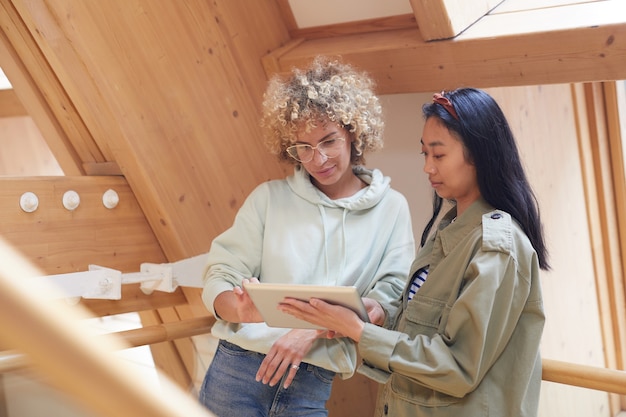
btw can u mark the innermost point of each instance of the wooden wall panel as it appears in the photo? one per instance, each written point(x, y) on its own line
point(24, 150)
point(169, 91)
point(545, 122)
point(176, 101)
point(59, 241)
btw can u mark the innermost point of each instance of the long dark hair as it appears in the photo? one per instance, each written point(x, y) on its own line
point(477, 120)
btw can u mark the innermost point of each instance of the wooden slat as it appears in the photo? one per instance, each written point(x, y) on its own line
point(444, 19)
point(401, 61)
point(10, 105)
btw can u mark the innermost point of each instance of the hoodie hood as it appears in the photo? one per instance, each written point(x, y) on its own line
point(300, 183)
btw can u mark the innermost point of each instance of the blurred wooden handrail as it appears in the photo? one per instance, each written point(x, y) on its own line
point(167, 331)
point(11, 360)
point(585, 376)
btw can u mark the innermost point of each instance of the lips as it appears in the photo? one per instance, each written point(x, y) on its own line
point(325, 172)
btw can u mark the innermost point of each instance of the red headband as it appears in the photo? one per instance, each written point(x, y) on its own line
point(447, 104)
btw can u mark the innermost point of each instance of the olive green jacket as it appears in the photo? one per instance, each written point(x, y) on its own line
point(468, 343)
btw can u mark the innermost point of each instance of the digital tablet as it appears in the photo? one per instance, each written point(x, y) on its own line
point(267, 296)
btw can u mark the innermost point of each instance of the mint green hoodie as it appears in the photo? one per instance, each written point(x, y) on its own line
point(288, 231)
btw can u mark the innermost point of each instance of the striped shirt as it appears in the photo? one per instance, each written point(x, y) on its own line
point(419, 278)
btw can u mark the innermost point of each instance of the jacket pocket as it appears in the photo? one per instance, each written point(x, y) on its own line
point(423, 315)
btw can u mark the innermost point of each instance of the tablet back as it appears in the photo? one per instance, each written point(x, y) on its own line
point(267, 296)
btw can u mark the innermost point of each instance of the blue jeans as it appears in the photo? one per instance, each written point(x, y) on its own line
point(230, 389)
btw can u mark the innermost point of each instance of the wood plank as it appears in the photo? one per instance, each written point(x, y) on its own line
point(445, 19)
point(402, 62)
point(10, 105)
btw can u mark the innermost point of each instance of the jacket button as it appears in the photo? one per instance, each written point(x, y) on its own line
point(496, 216)
point(386, 409)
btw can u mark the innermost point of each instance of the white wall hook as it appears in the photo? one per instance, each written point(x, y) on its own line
point(71, 200)
point(29, 202)
point(110, 199)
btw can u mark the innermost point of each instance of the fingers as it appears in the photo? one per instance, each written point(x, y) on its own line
point(273, 369)
point(293, 370)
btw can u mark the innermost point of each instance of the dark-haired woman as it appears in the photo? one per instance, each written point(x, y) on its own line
point(465, 341)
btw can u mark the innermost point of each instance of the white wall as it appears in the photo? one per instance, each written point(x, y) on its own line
point(401, 157)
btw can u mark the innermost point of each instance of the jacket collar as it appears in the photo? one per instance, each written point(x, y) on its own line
point(452, 230)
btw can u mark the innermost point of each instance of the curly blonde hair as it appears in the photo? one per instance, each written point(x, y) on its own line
point(328, 90)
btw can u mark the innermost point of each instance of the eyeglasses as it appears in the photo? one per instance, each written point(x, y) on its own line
point(329, 148)
point(447, 104)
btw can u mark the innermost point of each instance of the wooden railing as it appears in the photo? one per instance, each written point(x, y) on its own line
point(82, 365)
point(584, 376)
point(79, 361)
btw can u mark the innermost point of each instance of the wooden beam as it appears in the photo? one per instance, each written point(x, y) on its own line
point(42, 95)
point(591, 45)
point(10, 105)
point(444, 19)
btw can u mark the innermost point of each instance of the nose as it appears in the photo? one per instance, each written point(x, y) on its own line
point(428, 168)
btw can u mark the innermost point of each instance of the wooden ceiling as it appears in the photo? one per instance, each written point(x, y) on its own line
point(450, 43)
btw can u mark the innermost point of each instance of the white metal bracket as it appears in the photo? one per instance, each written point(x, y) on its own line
point(106, 283)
